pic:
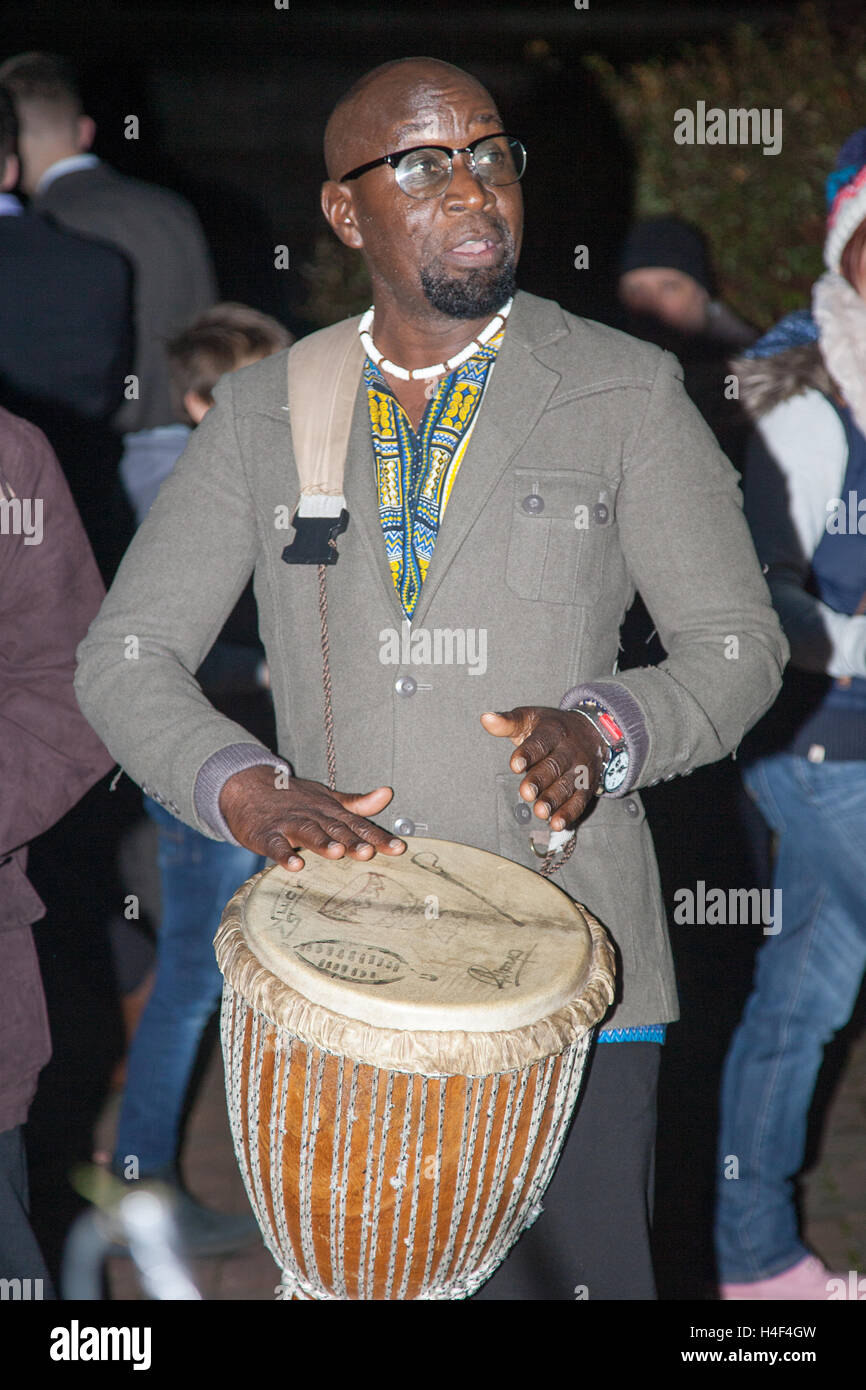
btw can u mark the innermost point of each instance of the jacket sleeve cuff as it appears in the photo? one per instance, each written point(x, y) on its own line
point(213, 775)
point(627, 712)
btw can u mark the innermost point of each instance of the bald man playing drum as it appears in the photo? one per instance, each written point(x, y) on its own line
point(512, 475)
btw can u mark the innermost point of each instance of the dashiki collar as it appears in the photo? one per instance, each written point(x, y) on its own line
point(415, 472)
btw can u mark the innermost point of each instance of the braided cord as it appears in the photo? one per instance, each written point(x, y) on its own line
point(326, 680)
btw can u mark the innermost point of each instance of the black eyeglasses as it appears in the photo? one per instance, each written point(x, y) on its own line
point(424, 171)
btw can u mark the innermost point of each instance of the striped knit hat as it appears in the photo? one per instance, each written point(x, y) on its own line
point(846, 198)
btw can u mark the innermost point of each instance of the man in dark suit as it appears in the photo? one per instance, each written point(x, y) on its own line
point(157, 229)
point(65, 339)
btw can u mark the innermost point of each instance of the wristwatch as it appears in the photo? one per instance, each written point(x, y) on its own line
point(615, 769)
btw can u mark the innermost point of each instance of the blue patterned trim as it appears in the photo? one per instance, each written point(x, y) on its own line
point(649, 1032)
point(793, 330)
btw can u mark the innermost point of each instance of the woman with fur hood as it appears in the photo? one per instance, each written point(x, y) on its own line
point(804, 385)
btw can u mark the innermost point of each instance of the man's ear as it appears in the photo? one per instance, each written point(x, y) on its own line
point(11, 174)
point(340, 214)
point(86, 133)
point(195, 406)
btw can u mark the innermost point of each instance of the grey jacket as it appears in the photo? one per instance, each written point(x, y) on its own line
point(635, 494)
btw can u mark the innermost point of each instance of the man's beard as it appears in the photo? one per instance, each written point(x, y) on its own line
point(472, 296)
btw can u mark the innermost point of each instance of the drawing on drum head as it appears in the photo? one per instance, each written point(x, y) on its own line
point(372, 899)
point(355, 963)
point(508, 973)
point(284, 913)
point(425, 859)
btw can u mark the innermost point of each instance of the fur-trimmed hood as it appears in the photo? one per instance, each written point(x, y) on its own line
point(824, 350)
point(765, 382)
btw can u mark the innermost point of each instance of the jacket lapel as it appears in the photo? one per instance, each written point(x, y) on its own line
point(518, 392)
point(517, 395)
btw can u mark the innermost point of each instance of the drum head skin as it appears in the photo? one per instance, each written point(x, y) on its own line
point(444, 937)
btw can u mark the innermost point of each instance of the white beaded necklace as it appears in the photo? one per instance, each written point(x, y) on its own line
point(440, 368)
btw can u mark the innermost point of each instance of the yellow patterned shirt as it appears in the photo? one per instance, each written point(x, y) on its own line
point(415, 472)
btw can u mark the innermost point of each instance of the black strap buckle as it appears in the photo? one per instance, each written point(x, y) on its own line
point(315, 539)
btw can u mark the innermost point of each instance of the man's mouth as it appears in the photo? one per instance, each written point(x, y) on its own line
point(475, 250)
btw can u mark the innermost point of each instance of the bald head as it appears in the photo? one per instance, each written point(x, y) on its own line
point(444, 259)
point(394, 103)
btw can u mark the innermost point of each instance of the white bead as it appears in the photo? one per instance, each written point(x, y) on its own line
point(394, 370)
point(440, 368)
point(462, 356)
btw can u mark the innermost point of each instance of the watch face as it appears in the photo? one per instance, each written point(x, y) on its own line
point(616, 771)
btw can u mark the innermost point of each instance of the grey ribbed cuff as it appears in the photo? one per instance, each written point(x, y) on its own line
point(214, 774)
point(619, 702)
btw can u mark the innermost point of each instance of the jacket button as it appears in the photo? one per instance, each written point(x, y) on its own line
point(632, 808)
point(523, 813)
point(601, 513)
point(533, 504)
point(404, 826)
point(405, 685)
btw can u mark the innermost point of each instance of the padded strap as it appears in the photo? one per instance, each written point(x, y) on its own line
point(323, 372)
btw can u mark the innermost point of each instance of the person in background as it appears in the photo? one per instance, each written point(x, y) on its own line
point(156, 229)
point(667, 288)
point(65, 340)
point(50, 590)
point(805, 763)
point(198, 875)
point(665, 273)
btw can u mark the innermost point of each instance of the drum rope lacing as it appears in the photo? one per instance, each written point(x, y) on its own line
point(455, 1276)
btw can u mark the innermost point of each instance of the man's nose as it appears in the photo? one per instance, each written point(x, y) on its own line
point(466, 188)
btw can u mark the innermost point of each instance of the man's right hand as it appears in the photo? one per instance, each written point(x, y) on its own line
point(276, 821)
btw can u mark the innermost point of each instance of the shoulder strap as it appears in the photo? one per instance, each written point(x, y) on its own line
point(323, 372)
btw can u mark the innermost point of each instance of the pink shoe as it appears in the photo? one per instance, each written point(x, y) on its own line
point(808, 1279)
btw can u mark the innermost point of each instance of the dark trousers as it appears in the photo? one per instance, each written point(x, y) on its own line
point(20, 1256)
point(592, 1240)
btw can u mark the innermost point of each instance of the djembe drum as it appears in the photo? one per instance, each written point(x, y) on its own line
point(404, 1041)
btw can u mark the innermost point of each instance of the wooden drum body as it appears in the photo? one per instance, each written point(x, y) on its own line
point(404, 1042)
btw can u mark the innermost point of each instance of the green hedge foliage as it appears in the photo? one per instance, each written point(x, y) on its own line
point(763, 215)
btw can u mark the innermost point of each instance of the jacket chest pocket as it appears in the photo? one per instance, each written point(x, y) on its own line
point(559, 533)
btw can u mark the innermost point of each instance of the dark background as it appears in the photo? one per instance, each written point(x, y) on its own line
point(232, 101)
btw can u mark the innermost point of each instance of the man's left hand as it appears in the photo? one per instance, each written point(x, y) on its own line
point(561, 755)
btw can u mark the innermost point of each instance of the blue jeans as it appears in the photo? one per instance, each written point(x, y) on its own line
point(807, 978)
point(197, 877)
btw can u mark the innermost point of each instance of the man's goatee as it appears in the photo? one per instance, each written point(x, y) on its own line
point(474, 296)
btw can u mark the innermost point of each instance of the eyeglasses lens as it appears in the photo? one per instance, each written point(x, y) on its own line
point(426, 173)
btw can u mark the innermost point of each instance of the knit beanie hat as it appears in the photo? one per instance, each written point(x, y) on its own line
point(846, 198)
point(670, 243)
